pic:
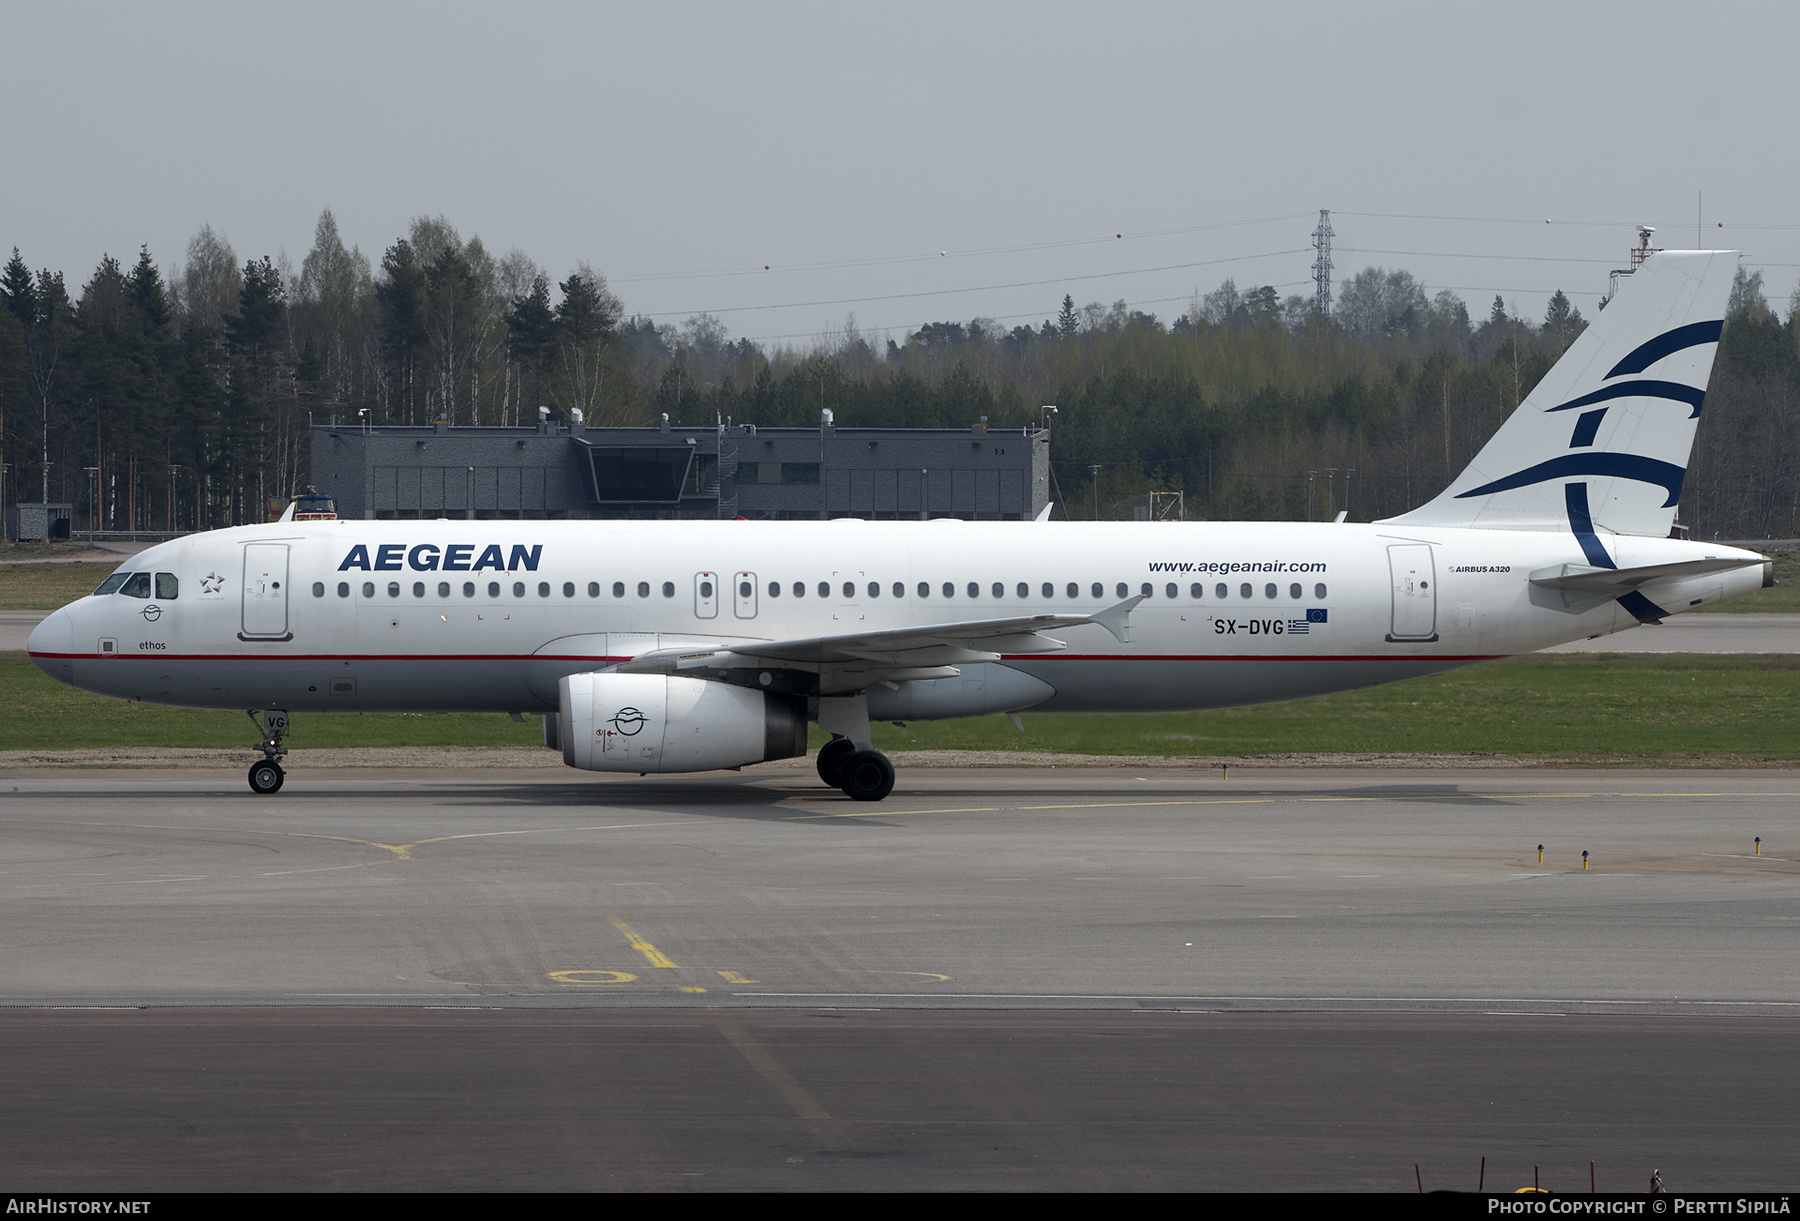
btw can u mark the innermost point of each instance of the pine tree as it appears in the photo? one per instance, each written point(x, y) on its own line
point(148, 296)
point(1065, 319)
point(15, 285)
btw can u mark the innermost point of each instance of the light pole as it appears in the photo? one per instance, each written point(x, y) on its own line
point(1094, 472)
point(93, 473)
point(174, 478)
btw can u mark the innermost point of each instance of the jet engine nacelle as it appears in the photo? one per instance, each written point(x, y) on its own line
point(661, 723)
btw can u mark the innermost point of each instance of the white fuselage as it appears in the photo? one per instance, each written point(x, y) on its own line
point(364, 616)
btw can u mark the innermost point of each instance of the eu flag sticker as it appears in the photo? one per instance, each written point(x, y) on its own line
point(1315, 614)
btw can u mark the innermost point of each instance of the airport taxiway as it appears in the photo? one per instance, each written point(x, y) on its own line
point(1009, 979)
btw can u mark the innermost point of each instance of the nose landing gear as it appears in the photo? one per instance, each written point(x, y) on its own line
point(266, 774)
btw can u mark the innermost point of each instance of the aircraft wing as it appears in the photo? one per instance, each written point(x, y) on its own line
point(857, 659)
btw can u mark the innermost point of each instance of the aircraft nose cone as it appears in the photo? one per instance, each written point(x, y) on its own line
point(51, 643)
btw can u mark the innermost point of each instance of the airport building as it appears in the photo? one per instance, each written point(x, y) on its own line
point(672, 471)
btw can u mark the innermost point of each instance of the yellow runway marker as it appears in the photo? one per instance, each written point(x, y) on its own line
point(792, 1092)
point(691, 988)
point(732, 977)
point(592, 977)
point(655, 956)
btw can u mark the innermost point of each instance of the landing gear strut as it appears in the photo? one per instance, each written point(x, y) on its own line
point(266, 774)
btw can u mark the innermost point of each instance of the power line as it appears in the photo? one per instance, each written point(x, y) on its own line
point(944, 292)
point(1508, 258)
point(975, 252)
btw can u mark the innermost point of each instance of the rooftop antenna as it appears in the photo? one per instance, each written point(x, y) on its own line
point(1322, 265)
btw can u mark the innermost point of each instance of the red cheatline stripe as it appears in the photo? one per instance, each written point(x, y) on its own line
point(1031, 657)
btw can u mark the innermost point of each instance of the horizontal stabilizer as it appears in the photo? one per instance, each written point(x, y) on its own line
point(1611, 582)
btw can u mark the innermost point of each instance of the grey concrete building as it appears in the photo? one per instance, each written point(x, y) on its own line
point(674, 471)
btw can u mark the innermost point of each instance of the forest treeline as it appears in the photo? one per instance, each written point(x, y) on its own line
point(182, 400)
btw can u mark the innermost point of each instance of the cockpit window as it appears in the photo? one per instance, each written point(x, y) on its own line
point(167, 586)
point(137, 585)
point(112, 583)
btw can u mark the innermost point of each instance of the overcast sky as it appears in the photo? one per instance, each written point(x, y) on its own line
point(920, 161)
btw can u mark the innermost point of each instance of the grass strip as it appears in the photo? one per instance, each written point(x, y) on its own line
point(1644, 709)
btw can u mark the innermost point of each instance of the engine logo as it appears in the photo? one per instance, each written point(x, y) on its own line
point(628, 721)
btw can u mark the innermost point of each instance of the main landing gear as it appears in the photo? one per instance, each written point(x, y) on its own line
point(864, 775)
point(266, 774)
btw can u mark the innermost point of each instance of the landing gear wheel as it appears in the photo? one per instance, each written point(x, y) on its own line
point(866, 776)
point(266, 776)
point(831, 760)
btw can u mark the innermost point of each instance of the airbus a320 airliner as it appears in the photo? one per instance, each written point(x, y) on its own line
point(683, 646)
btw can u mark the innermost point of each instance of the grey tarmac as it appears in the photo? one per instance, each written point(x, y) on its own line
point(998, 978)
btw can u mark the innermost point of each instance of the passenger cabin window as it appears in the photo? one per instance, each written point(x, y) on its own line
point(443, 589)
point(568, 589)
point(999, 590)
point(1146, 589)
point(799, 589)
point(1244, 591)
point(418, 589)
point(1074, 590)
point(1024, 591)
point(643, 589)
point(343, 589)
point(618, 589)
point(167, 586)
point(774, 589)
point(1319, 592)
point(393, 589)
point(668, 589)
point(318, 589)
point(593, 589)
point(974, 590)
point(1269, 590)
point(468, 589)
point(1222, 590)
point(1099, 590)
point(1169, 591)
point(1294, 591)
point(1124, 590)
point(368, 589)
point(518, 589)
point(493, 589)
point(924, 589)
point(899, 590)
point(824, 589)
point(849, 589)
point(1196, 591)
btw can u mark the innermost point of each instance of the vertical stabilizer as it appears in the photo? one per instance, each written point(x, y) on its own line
point(1602, 444)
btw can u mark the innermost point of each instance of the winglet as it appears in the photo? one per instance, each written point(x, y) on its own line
point(1115, 619)
point(1044, 513)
